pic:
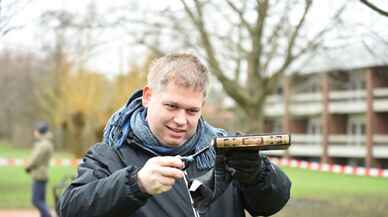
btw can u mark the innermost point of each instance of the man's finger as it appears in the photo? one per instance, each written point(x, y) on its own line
point(167, 181)
point(171, 172)
point(162, 188)
point(170, 161)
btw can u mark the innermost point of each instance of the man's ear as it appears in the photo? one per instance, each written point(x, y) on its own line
point(147, 93)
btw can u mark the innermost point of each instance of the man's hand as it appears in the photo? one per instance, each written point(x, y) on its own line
point(245, 166)
point(159, 174)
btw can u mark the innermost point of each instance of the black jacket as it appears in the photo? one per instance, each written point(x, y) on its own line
point(106, 186)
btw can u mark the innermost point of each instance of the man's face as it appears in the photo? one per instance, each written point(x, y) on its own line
point(36, 134)
point(173, 113)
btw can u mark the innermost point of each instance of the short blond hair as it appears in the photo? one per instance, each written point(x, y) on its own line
point(183, 69)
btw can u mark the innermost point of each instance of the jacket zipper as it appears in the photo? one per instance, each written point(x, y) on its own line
point(196, 213)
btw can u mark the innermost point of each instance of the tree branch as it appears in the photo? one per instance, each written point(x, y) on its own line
point(313, 44)
point(273, 79)
point(257, 46)
point(232, 88)
point(255, 54)
point(240, 13)
point(272, 40)
point(374, 8)
point(289, 56)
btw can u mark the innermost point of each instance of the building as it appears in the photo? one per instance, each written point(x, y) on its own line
point(336, 108)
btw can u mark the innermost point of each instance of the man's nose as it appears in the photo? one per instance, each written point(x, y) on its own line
point(180, 117)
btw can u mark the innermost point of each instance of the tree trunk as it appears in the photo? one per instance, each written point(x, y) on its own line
point(255, 119)
point(78, 123)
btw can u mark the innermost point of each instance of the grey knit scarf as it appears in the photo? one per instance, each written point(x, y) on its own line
point(132, 117)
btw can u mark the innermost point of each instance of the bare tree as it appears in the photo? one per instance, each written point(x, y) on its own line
point(20, 73)
point(76, 38)
point(8, 10)
point(4, 20)
point(374, 8)
point(249, 45)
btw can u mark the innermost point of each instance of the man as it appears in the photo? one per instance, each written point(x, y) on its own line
point(138, 169)
point(38, 166)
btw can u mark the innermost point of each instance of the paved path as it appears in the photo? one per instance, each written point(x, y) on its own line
point(21, 213)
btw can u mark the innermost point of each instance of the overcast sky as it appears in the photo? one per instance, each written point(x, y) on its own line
point(112, 56)
point(107, 58)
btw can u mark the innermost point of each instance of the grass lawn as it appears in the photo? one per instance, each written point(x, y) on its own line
point(15, 186)
point(313, 193)
point(6, 151)
point(307, 185)
point(325, 185)
point(327, 194)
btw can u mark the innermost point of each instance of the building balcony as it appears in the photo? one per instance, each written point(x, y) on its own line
point(343, 139)
point(341, 102)
point(380, 101)
point(353, 146)
point(274, 106)
point(307, 108)
point(300, 104)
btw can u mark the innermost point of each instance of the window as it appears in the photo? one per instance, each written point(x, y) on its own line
point(314, 126)
point(277, 126)
point(357, 81)
point(314, 130)
point(356, 130)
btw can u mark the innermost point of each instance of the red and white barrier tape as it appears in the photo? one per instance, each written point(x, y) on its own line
point(333, 168)
point(22, 162)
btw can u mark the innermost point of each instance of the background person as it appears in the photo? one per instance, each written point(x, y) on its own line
point(38, 166)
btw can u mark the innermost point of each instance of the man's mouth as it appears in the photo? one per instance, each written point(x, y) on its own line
point(177, 132)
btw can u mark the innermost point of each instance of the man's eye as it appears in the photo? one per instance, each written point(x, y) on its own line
point(171, 106)
point(193, 111)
